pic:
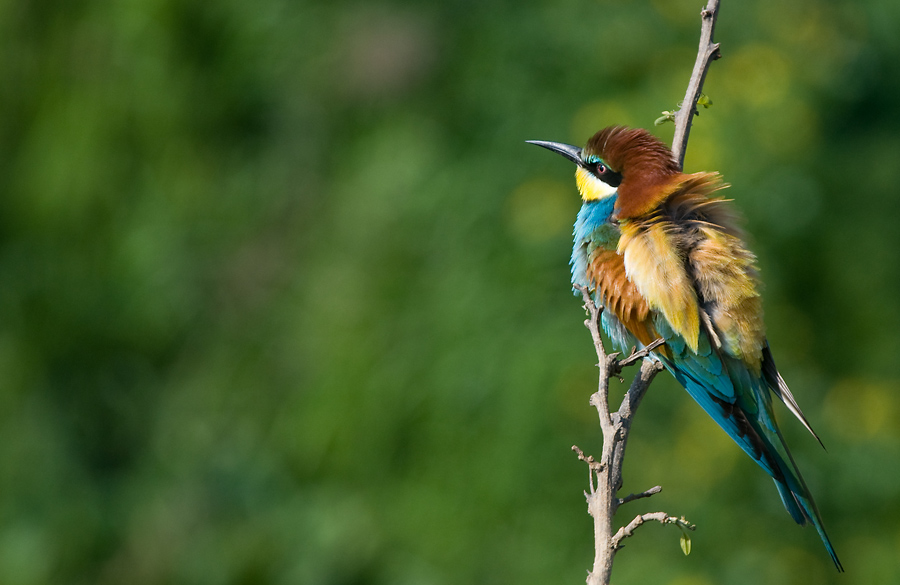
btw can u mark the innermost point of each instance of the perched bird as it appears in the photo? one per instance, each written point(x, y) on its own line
point(662, 253)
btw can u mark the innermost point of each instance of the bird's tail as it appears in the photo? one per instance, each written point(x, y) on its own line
point(796, 496)
point(757, 434)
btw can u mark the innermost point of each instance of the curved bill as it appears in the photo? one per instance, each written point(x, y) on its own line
point(573, 153)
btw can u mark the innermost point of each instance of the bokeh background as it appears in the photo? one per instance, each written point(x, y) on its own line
point(285, 299)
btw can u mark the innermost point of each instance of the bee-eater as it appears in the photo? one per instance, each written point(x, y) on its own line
point(663, 255)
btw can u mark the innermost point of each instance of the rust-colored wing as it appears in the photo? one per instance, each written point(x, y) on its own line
point(606, 272)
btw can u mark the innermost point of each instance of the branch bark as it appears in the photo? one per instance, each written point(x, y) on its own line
point(708, 52)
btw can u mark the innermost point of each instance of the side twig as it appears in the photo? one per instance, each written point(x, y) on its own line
point(644, 494)
point(709, 52)
point(660, 517)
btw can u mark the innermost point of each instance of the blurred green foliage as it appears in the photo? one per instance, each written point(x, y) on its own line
point(285, 295)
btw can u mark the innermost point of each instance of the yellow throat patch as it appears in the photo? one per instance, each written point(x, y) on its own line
point(590, 187)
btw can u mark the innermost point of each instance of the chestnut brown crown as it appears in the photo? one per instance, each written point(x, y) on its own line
point(648, 168)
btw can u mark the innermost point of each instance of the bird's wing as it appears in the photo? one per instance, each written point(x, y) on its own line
point(694, 273)
point(658, 259)
point(655, 264)
point(725, 278)
point(724, 274)
point(726, 390)
point(688, 262)
point(606, 273)
point(691, 267)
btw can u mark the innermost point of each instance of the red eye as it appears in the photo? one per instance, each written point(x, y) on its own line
point(601, 168)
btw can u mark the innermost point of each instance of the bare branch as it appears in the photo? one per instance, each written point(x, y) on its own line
point(600, 399)
point(660, 517)
point(644, 494)
point(709, 52)
point(593, 464)
point(594, 467)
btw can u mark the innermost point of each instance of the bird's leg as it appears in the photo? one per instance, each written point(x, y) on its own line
point(636, 356)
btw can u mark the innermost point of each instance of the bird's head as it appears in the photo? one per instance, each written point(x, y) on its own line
point(630, 163)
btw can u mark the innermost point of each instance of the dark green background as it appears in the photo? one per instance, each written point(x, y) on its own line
point(284, 295)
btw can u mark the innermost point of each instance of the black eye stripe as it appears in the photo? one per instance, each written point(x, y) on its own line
point(606, 174)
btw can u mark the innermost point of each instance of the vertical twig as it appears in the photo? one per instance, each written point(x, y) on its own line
point(709, 52)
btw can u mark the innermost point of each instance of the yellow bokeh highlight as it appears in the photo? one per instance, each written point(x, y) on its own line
point(864, 409)
point(541, 209)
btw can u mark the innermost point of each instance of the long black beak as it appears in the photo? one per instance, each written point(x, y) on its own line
point(573, 153)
